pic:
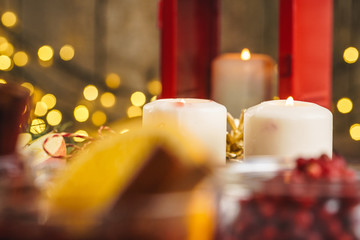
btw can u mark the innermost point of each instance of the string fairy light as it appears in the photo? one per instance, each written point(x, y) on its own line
point(138, 99)
point(54, 117)
point(81, 113)
point(45, 53)
point(8, 19)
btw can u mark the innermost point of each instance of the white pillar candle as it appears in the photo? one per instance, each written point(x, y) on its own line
point(242, 80)
point(289, 129)
point(203, 119)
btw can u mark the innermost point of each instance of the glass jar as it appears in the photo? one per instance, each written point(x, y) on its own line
point(259, 202)
point(162, 216)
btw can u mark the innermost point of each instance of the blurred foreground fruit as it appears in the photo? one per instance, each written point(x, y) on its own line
point(139, 162)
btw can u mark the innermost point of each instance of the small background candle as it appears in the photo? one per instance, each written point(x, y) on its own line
point(242, 80)
point(203, 119)
point(288, 129)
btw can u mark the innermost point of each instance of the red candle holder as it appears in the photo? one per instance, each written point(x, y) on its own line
point(189, 42)
point(305, 50)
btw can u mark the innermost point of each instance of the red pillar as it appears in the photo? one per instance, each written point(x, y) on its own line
point(189, 42)
point(305, 50)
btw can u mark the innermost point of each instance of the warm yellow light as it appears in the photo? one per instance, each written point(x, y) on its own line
point(2, 40)
point(90, 92)
point(2, 81)
point(8, 19)
point(37, 126)
point(245, 54)
point(154, 87)
point(49, 100)
point(45, 53)
point(67, 52)
point(5, 63)
point(107, 99)
point(138, 99)
point(289, 101)
point(134, 111)
point(113, 80)
point(81, 113)
point(40, 109)
point(124, 131)
point(3, 45)
point(153, 98)
point(20, 59)
point(82, 133)
point(28, 86)
point(98, 118)
point(355, 132)
point(344, 105)
point(351, 55)
point(54, 117)
point(6, 48)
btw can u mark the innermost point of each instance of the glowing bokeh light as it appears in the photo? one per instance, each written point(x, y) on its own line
point(50, 100)
point(5, 63)
point(45, 53)
point(6, 48)
point(154, 87)
point(2, 40)
point(351, 55)
point(82, 133)
point(54, 117)
point(98, 118)
point(153, 98)
point(90, 92)
point(37, 126)
point(81, 113)
point(124, 131)
point(107, 99)
point(40, 109)
point(20, 59)
point(344, 105)
point(138, 99)
point(67, 52)
point(355, 132)
point(28, 86)
point(112, 80)
point(134, 111)
point(2, 81)
point(8, 19)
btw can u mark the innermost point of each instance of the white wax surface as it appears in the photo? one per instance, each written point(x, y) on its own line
point(301, 130)
point(203, 119)
point(239, 84)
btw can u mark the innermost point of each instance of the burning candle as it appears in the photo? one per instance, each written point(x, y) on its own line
point(242, 80)
point(289, 129)
point(203, 119)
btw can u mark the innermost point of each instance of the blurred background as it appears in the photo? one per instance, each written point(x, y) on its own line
point(95, 62)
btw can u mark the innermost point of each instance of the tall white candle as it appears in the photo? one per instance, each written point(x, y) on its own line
point(242, 80)
point(288, 129)
point(203, 119)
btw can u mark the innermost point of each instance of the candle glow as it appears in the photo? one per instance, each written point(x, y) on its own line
point(245, 54)
point(289, 101)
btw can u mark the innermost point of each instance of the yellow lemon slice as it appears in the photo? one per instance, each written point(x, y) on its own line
point(124, 163)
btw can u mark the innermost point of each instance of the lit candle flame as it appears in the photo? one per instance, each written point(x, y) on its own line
point(245, 54)
point(289, 101)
